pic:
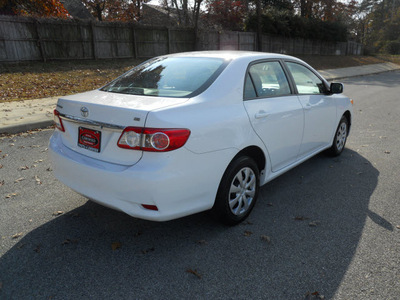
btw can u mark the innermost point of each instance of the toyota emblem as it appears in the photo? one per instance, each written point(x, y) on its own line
point(84, 111)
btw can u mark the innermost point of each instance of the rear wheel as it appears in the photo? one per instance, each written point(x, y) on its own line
point(340, 138)
point(238, 191)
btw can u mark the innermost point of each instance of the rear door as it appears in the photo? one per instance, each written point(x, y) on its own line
point(275, 113)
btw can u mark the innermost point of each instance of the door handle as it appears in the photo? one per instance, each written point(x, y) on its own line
point(261, 114)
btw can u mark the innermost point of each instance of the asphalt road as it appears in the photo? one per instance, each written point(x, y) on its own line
point(327, 229)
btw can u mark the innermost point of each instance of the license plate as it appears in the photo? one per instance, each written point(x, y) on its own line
point(89, 139)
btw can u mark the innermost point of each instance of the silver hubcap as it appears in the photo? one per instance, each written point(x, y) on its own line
point(341, 136)
point(242, 191)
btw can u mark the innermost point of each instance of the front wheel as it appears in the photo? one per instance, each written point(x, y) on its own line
point(238, 191)
point(340, 138)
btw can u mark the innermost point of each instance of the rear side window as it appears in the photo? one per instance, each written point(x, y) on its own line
point(169, 77)
point(306, 81)
point(266, 79)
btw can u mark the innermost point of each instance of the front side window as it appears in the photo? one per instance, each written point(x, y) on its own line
point(266, 79)
point(169, 77)
point(306, 81)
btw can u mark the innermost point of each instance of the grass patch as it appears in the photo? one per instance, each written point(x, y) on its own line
point(334, 62)
point(56, 78)
point(391, 58)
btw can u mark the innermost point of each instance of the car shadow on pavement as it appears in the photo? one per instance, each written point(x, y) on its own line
point(297, 243)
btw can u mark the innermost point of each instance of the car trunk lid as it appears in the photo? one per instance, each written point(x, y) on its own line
point(94, 121)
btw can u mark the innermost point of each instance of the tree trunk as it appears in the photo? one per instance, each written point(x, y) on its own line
point(99, 10)
point(259, 29)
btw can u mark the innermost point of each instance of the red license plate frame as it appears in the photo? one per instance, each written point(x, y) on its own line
point(89, 139)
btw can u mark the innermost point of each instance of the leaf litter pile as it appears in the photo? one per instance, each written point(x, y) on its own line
point(40, 80)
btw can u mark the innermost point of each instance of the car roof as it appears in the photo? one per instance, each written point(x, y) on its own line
point(233, 55)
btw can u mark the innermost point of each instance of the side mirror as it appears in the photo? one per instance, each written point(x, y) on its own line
point(336, 88)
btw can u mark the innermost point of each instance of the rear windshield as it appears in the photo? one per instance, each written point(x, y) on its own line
point(169, 77)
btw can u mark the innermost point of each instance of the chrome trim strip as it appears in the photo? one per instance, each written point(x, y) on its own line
point(91, 123)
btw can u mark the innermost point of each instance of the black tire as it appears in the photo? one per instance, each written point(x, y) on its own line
point(236, 199)
point(340, 138)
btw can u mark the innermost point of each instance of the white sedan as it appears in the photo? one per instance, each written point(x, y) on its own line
point(189, 132)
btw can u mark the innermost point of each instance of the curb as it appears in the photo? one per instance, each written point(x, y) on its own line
point(12, 129)
point(361, 75)
point(350, 72)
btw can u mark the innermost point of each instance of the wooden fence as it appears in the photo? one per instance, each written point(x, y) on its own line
point(29, 39)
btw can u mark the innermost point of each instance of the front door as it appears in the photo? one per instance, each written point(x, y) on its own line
point(319, 109)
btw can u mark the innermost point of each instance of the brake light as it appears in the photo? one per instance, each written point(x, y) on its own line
point(58, 121)
point(153, 139)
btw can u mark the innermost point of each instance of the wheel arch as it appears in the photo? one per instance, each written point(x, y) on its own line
point(255, 153)
point(347, 114)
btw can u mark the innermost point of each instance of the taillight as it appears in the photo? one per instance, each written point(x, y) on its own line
point(58, 121)
point(153, 139)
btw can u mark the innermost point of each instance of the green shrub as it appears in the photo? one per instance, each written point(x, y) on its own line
point(392, 47)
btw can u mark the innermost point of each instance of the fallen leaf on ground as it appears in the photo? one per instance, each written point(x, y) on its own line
point(68, 241)
point(300, 218)
point(11, 195)
point(17, 235)
point(1, 166)
point(58, 212)
point(49, 169)
point(19, 179)
point(37, 180)
point(148, 250)
point(247, 233)
point(266, 238)
point(35, 146)
point(37, 249)
point(12, 144)
point(116, 245)
point(1, 182)
point(387, 152)
point(202, 242)
point(38, 161)
point(316, 293)
point(313, 224)
point(194, 272)
point(269, 204)
point(398, 226)
point(24, 168)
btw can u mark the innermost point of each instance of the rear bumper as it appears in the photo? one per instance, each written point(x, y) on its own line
point(179, 183)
